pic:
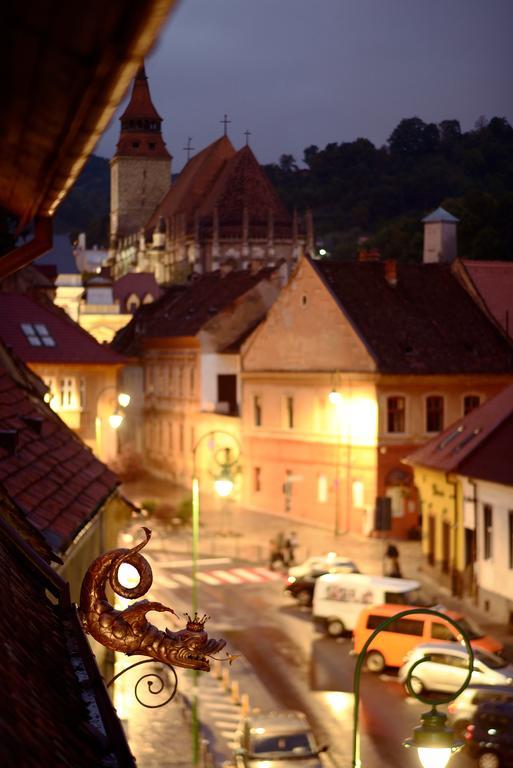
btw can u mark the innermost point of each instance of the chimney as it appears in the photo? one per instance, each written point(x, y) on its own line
point(390, 266)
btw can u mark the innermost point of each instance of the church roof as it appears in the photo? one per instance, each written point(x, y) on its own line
point(425, 322)
point(243, 184)
point(140, 106)
point(220, 177)
point(188, 192)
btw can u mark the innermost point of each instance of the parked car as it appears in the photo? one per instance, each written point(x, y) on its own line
point(277, 740)
point(446, 668)
point(301, 578)
point(489, 737)
point(461, 711)
point(391, 645)
point(339, 597)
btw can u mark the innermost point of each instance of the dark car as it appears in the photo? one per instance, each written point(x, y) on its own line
point(489, 737)
point(301, 578)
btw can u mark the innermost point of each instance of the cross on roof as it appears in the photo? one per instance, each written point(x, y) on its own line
point(188, 148)
point(247, 134)
point(225, 122)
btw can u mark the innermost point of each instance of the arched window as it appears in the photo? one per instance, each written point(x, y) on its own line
point(148, 298)
point(132, 303)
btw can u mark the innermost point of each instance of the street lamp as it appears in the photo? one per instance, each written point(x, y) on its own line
point(115, 419)
point(223, 484)
point(434, 742)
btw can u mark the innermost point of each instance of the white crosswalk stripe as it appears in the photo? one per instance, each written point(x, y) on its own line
point(218, 577)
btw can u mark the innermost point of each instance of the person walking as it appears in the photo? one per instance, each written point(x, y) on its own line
point(391, 566)
point(291, 544)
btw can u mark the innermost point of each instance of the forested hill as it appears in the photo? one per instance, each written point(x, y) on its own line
point(356, 189)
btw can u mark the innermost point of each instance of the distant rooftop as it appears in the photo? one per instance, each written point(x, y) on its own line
point(61, 256)
point(440, 215)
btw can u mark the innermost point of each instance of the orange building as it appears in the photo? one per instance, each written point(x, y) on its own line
point(355, 366)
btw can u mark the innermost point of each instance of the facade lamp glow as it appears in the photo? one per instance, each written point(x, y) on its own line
point(223, 484)
point(116, 419)
point(124, 399)
point(433, 740)
point(335, 397)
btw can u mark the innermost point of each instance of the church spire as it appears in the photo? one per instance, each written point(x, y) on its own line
point(141, 134)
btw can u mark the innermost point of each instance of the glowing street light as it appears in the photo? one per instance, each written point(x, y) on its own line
point(124, 399)
point(433, 741)
point(116, 419)
point(335, 397)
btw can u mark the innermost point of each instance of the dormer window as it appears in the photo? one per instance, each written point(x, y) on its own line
point(37, 335)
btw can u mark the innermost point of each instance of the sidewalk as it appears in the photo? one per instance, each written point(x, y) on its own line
point(228, 529)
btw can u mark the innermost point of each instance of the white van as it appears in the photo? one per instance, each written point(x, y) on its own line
point(339, 598)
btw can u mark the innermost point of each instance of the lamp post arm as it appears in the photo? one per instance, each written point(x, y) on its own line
point(356, 761)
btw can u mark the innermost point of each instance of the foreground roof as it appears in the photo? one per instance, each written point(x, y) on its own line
point(45, 469)
point(64, 341)
point(424, 323)
point(493, 281)
point(478, 445)
point(54, 708)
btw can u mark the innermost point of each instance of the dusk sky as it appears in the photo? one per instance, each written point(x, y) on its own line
point(302, 72)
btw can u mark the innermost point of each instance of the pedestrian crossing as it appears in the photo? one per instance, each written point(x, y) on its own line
point(218, 577)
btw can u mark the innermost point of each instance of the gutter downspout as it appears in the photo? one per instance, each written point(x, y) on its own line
point(454, 585)
point(475, 583)
point(24, 254)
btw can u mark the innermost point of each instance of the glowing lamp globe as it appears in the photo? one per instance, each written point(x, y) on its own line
point(223, 486)
point(124, 399)
point(335, 397)
point(433, 741)
point(116, 420)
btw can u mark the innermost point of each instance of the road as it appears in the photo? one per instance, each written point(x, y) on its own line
point(286, 664)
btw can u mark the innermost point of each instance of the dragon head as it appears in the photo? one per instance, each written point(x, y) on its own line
point(191, 647)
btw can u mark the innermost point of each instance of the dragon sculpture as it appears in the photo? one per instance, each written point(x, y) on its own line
point(129, 631)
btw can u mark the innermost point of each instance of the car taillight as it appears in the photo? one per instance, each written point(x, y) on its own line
point(469, 731)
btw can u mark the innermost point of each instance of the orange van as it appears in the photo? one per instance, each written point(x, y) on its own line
point(389, 648)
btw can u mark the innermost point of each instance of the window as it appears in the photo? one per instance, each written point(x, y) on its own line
point(510, 538)
point(290, 412)
point(170, 436)
point(180, 381)
point(396, 409)
point(82, 392)
point(400, 626)
point(322, 489)
point(37, 335)
point(192, 379)
point(227, 393)
point(132, 303)
point(434, 413)
point(487, 531)
point(358, 494)
point(470, 402)
point(257, 410)
point(257, 476)
point(193, 438)
point(181, 439)
point(442, 632)
point(66, 392)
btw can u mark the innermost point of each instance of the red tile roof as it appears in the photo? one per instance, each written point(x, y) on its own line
point(425, 323)
point(51, 475)
point(189, 190)
point(54, 709)
point(478, 445)
point(493, 280)
point(72, 343)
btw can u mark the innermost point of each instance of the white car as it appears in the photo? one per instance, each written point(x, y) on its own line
point(318, 565)
point(461, 711)
point(446, 667)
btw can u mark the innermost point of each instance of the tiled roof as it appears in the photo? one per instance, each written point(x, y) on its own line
point(243, 184)
point(48, 473)
point(478, 445)
point(140, 124)
point(440, 215)
point(425, 323)
point(127, 340)
point(72, 343)
point(188, 192)
point(54, 710)
point(140, 105)
point(493, 280)
point(140, 283)
point(205, 298)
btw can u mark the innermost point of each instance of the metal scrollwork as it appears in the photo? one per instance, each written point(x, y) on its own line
point(154, 682)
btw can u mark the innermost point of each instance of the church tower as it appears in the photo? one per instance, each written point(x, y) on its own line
point(140, 171)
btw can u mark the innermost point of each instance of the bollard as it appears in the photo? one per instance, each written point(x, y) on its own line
point(244, 705)
point(216, 668)
point(225, 679)
point(235, 697)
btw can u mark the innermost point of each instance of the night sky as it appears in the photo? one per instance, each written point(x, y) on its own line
point(302, 72)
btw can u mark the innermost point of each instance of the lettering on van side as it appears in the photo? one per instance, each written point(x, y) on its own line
point(348, 595)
